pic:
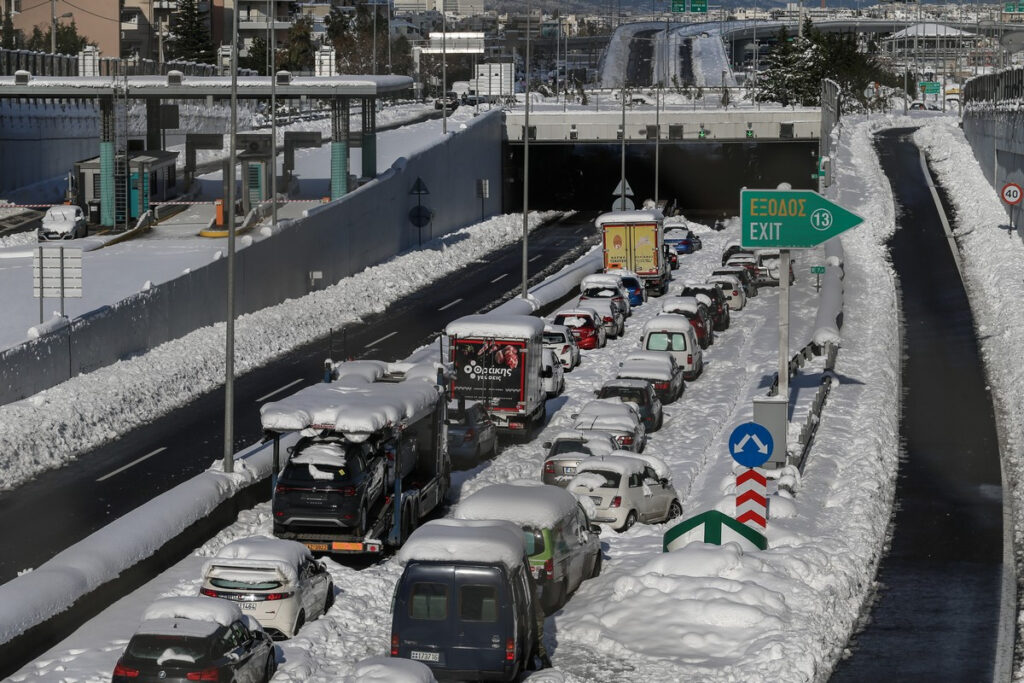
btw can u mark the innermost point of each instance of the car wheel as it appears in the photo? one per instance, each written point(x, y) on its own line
point(630, 521)
point(300, 621)
point(329, 598)
point(674, 510)
point(271, 668)
point(596, 571)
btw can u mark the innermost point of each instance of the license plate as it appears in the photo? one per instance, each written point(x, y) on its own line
point(569, 470)
point(317, 547)
point(425, 656)
point(247, 605)
point(596, 499)
point(313, 498)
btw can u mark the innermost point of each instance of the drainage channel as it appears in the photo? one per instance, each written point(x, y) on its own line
point(936, 614)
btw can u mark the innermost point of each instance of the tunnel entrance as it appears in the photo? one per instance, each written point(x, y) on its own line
point(703, 177)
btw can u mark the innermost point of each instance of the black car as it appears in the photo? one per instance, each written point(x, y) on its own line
point(719, 306)
point(732, 250)
point(196, 649)
point(329, 486)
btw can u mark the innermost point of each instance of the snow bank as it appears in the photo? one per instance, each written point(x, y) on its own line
point(390, 670)
point(259, 552)
point(197, 608)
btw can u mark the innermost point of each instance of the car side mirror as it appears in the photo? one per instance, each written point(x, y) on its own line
point(546, 444)
point(664, 482)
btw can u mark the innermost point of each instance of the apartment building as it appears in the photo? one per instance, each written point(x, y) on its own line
point(98, 20)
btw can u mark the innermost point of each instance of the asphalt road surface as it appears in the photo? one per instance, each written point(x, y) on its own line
point(63, 506)
point(937, 610)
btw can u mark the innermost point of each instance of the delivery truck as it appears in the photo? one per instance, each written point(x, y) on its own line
point(635, 240)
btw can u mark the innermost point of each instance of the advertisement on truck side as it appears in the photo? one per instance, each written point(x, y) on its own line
point(489, 370)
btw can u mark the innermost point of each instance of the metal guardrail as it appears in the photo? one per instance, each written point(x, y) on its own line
point(47, 64)
point(994, 88)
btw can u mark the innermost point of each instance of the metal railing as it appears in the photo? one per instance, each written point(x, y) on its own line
point(994, 88)
point(47, 64)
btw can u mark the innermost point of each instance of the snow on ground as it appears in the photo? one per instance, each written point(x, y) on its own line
point(704, 613)
point(991, 255)
point(52, 427)
point(19, 239)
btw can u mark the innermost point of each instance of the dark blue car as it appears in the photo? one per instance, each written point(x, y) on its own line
point(680, 239)
point(635, 288)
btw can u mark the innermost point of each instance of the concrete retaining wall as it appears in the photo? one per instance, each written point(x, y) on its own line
point(339, 239)
point(996, 134)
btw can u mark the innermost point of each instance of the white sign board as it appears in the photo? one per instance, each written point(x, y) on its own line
point(54, 277)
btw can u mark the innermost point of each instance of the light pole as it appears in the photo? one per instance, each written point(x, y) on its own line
point(229, 327)
point(53, 25)
point(272, 68)
point(444, 71)
point(622, 179)
point(375, 37)
point(526, 161)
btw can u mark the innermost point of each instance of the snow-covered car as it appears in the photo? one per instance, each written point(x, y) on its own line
point(563, 546)
point(627, 489)
point(673, 257)
point(732, 287)
point(682, 239)
point(732, 248)
point(716, 303)
point(552, 374)
point(196, 639)
point(586, 326)
point(560, 339)
point(674, 334)
point(611, 315)
point(606, 286)
point(471, 433)
point(565, 451)
point(275, 581)
point(658, 368)
point(745, 276)
point(634, 286)
point(63, 222)
point(620, 418)
point(768, 261)
point(637, 391)
point(697, 310)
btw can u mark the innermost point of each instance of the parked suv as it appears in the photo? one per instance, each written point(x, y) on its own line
point(328, 485)
point(562, 544)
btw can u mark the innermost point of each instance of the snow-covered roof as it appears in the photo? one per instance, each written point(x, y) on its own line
point(596, 439)
point(676, 222)
point(645, 369)
point(621, 464)
point(486, 541)
point(601, 280)
point(422, 370)
point(602, 306)
point(60, 214)
point(578, 311)
point(188, 615)
point(649, 356)
point(604, 413)
point(930, 30)
point(369, 370)
point(529, 506)
point(628, 383)
point(495, 327)
point(668, 322)
point(551, 328)
point(354, 411)
point(677, 233)
point(731, 280)
point(629, 217)
point(622, 272)
point(260, 552)
point(680, 304)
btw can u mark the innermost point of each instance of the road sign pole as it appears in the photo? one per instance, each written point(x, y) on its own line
point(61, 252)
point(784, 326)
point(40, 285)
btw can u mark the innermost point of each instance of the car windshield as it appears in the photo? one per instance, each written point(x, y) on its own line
point(637, 396)
point(665, 341)
point(611, 479)
point(554, 338)
point(599, 292)
point(309, 472)
point(569, 446)
point(159, 648)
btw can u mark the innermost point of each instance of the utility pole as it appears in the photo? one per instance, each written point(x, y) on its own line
point(229, 328)
point(444, 71)
point(271, 70)
point(375, 35)
point(53, 27)
point(622, 96)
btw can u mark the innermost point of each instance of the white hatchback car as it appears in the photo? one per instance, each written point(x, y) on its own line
point(552, 373)
point(732, 288)
point(559, 339)
point(620, 418)
point(277, 582)
point(627, 489)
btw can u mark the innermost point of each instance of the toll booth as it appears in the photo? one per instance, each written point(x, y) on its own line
point(151, 177)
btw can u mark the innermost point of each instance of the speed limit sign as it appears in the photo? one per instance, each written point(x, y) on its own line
point(1011, 193)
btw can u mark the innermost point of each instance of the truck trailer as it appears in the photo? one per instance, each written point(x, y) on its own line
point(635, 240)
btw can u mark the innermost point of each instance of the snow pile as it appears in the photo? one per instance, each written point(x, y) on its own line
point(19, 239)
point(539, 507)
point(54, 426)
point(197, 608)
point(389, 670)
point(261, 552)
point(484, 541)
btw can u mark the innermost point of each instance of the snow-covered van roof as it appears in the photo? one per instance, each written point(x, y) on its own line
point(647, 216)
point(681, 304)
point(495, 327)
point(368, 370)
point(626, 382)
point(539, 507)
point(354, 411)
point(601, 279)
point(668, 322)
point(256, 553)
point(195, 615)
point(645, 369)
point(460, 540)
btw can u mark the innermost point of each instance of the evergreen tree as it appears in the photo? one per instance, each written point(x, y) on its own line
point(190, 35)
point(299, 55)
point(256, 59)
point(8, 35)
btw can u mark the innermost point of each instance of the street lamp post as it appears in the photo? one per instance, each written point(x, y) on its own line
point(526, 160)
point(229, 328)
point(444, 71)
point(272, 59)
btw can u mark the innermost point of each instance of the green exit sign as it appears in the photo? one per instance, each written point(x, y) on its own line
point(817, 270)
point(699, 6)
point(678, 6)
point(790, 219)
point(930, 87)
point(1011, 8)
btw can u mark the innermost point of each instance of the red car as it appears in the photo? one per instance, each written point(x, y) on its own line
point(586, 326)
point(698, 315)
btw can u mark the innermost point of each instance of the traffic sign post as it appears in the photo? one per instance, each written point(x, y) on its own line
point(699, 6)
point(817, 271)
point(678, 6)
point(751, 445)
point(1012, 195)
point(56, 272)
point(930, 87)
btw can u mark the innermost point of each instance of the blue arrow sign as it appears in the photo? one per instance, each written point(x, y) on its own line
point(751, 444)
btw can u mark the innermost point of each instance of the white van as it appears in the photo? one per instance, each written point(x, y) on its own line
point(674, 334)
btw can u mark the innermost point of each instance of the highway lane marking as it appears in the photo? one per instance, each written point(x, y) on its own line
point(132, 463)
point(953, 247)
point(536, 257)
point(278, 391)
point(449, 304)
point(502, 276)
point(577, 231)
point(386, 336)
